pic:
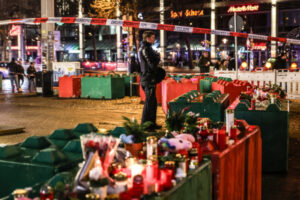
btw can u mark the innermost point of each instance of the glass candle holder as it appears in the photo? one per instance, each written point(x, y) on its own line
point(229, 120)
point(92, 196)
point(151, 146)
point(181, 170)
point(130, 161)
point(46, 193)
point(152, 169)
point(19, 193)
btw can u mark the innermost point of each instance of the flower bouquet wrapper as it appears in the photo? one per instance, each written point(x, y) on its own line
point(98, 151)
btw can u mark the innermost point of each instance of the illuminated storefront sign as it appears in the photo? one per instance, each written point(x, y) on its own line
point(27, 48)
point(187, 13)
point(259, 46)
point(15, 30)
point(243, 8)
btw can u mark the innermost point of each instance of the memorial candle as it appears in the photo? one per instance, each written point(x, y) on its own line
point(166, 176)
point(222, 139)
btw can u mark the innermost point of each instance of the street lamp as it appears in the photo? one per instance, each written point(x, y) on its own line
point(225, 40)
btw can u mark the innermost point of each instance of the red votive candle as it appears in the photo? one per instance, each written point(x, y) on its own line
point(233, 133)
point(138, 186)
point(165, 179)
point(222, 140)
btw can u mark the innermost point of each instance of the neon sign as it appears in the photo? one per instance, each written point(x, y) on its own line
point(243, 8)
point(15, 30)
point(27, 48)
point(187, 13)
point(259, 46)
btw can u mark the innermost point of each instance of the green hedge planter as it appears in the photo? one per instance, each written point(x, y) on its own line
point(102, 87)
point(274, 125)
point(212, 106)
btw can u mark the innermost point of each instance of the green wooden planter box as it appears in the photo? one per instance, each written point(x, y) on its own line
point(274, 124)
point(38, 158)
point(127, 85)
point(102, 87)
point(205, 84)
point(197, 185)
point(212, 106)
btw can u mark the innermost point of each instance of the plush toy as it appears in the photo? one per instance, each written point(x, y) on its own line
point(180, 142)
point(126, 139)
point(185, 136)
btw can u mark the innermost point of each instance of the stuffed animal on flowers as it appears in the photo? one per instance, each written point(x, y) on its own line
point(177, 143)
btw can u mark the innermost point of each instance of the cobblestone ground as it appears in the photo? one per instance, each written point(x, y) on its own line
point(40, 116)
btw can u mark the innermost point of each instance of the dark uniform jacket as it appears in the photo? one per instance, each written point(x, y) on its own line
point(231, 64)
point(149, 60)
point(202, 64)
point(280, 63)
point(30, 71)
point(12, 67)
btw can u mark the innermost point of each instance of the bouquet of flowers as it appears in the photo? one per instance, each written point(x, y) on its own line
point(105, 146)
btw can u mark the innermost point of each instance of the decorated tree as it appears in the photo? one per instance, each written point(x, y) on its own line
point(129, 10)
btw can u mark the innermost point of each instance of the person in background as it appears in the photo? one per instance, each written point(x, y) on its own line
point(31, 77)
point(12, 67)
point(231, 62)
point(134, 65)
point(149, 60)
point(218, 64)
point(280, 62)
point(204, 62)
point(20, 73)
point(224, 64)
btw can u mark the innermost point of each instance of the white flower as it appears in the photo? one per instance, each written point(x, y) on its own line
point(95, 173)
point(191, 114)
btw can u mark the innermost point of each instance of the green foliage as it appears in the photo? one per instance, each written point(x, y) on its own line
point(175, 120)
point(277, 89)
point(99, 183)
point(132, 127)
point(245, 96)
point(190, 124)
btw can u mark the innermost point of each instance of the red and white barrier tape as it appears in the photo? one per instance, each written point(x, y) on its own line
point(144, 25)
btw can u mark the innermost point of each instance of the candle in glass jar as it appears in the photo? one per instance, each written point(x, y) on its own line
point(171, 165)
point(92, 196)
point(19, 193)
point(233, 133)
point(222, 139)
point(229, 120)
point(151, 146)
point(138, 186)
point(130, 161)
point(166, 176)
point(136, 169)
point(151, 169)
point(46, 193)
point(181, 170)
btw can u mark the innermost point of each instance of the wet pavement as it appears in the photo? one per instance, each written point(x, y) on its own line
point(41, 116)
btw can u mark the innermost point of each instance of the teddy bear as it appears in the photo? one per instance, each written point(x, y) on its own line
point(179, 142)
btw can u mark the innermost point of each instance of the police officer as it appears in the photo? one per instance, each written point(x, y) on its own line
point(12, 67)
point(149, 60)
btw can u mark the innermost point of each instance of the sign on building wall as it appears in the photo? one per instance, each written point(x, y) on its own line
point(187, 13)
point(15, 30)
point(57, 40)
point(64, 68)
point(243, 8)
